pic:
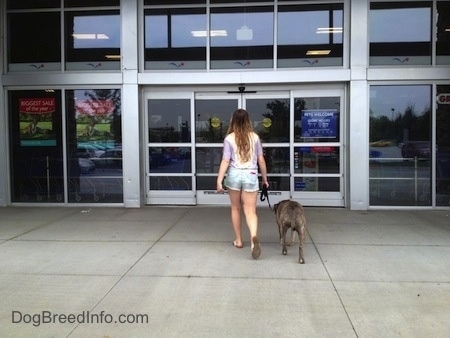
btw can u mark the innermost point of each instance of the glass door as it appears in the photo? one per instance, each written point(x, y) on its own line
point(301, 132)
point(269, 112)
point(317, 153)
point(169, 151)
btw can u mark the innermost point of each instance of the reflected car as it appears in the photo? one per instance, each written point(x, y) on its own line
point(419, 149)
point(111, 158)
point(381, 143)
point(85, 165)
point(87, 150)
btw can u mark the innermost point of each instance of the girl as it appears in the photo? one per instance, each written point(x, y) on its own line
point(242, 155)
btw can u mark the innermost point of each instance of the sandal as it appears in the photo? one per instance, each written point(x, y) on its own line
point(256, 250)
point(237, 246)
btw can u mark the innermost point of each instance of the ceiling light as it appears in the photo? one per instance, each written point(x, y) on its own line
point(90, 36)
point(112, 57)
point(202, 34)
point(328, 30)
point(318, 52)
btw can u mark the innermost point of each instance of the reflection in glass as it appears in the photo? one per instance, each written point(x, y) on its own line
point(93, 37)
point(310, 35)
point(316, 160)
point(245, 39)
point(277, 162)
point(207, 160)
point(168, 120)
point(443, 33)
point(212, 119)
point(94, 145)
point(170, 159)
point(270, 118)
point(443, 146)
point(316, 184)
point(170, 183)
point(175, 38)
point(400, 145)
point(400, 33)
point(206, 182)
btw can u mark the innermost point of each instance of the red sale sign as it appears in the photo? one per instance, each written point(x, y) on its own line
point(37, 105)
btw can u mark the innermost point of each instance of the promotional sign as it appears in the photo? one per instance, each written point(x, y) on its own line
point(443, 98)
point(36, 121)
point(319, 123)
point(94, 119)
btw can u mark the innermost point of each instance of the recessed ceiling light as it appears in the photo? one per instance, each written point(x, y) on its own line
point(328, 30)
point(318, 52)
point(202, 34)
point(90, 36)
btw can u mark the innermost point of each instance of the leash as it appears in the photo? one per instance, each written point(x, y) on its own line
point(264, 195)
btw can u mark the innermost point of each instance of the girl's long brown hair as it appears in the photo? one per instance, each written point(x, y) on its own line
point(242, 128)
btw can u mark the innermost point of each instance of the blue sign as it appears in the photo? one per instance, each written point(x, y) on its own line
point(319, 123)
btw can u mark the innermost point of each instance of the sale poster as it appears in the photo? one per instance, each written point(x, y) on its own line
point(94, 120)
point(36, 121)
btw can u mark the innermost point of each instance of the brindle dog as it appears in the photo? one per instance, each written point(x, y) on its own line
point(290, 214)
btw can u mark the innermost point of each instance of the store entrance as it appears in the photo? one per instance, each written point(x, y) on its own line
point(301, 133)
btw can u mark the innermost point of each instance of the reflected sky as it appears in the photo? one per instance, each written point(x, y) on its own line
point(97, 31)
point(384, 98)
point(400, 25)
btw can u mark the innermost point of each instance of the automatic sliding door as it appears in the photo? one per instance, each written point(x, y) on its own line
point(169, 150)
point(212, 119)
point(317, 166)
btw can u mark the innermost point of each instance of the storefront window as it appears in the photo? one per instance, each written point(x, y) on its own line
point(93, 40)
point(443, 33)
point(32, 4)
point(443, 146)
point(169, 120)
point(400, 33)
point(36, 146)
point(310, 35)
point(241, 37)
point(400, 145)
point(37, 48)
point(94, 146)
point(175, 38)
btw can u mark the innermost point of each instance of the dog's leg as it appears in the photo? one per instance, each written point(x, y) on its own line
point(280, 232)
point(301, 236)
point(292, 241)
point(283, 239)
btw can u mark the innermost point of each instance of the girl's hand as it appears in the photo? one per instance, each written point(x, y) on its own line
point(219, 188)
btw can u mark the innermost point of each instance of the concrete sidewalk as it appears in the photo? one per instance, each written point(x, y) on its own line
point(79, 272)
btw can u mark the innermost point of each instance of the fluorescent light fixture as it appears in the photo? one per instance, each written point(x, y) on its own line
point(113, 57)
point(318, 52)
point(328, 30)
point(244, 33)
point(447, 29)
point(202, 34)
point(91, 36)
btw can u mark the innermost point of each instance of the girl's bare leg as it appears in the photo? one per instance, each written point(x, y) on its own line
point(236, 207)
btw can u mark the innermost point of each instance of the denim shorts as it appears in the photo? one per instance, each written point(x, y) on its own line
point(242, 179)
